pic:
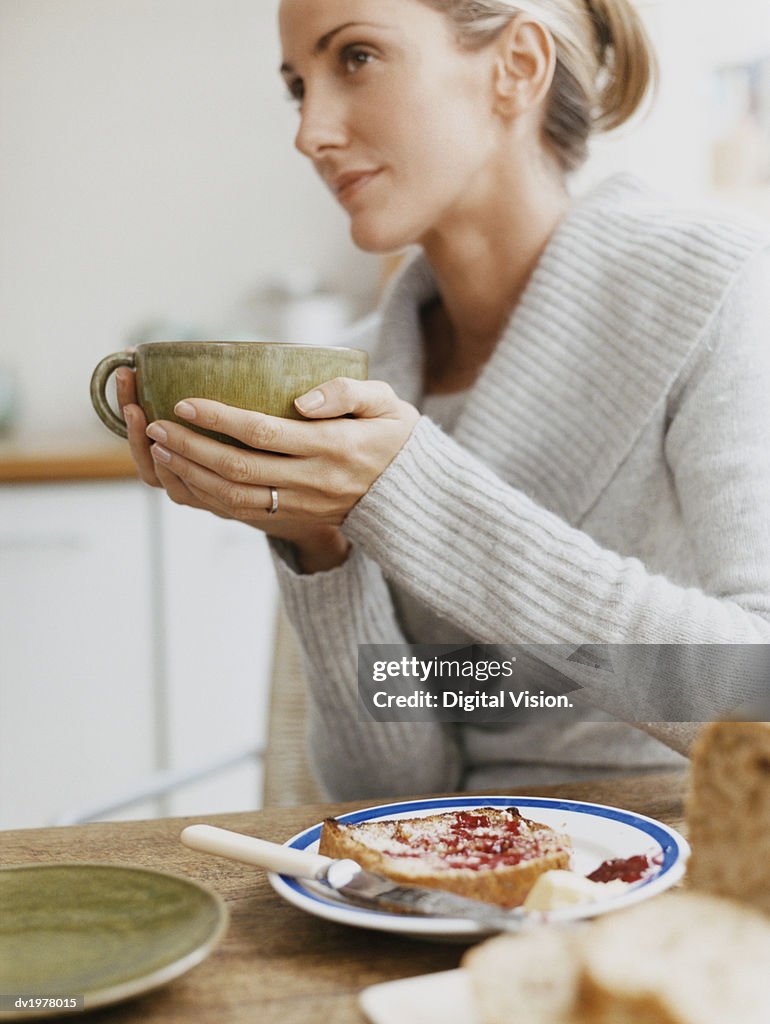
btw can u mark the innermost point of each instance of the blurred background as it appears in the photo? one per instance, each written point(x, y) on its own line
point(149, 189)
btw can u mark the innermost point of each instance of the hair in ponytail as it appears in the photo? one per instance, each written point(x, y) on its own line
point(605, 63)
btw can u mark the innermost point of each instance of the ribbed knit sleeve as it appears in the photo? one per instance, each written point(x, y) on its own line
point(333, 612)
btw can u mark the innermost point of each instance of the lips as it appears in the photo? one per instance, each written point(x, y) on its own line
point(345, 186)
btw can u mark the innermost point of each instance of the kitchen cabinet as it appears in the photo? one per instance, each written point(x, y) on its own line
point(216, 633)
point(135, 637)
point(76, 667)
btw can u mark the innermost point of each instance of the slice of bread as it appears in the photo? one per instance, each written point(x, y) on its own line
point(686, 958)
point(491, 854)
point(683, 958)
point(530, 978)
point(728, 812)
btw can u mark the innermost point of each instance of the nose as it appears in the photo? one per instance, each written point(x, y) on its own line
point(321, 125)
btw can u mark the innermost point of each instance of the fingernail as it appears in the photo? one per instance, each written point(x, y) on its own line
point(160, 453)
point(127, 414)
point(185, 410)
point(312, 400)
point(157, 433)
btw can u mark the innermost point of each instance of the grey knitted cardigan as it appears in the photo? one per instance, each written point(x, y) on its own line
point(608, 481)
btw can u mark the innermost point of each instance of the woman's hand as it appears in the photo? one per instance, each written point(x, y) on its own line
point(320, 469)
point(139, 444)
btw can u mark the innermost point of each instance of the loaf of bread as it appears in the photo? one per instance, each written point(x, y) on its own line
point(685, 958)
point(491, 854)
point(728, 812)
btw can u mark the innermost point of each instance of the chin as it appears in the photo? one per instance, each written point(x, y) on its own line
point(378, 239)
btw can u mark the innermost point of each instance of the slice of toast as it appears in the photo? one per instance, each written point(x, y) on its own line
point(728, 812)
point(490, 854)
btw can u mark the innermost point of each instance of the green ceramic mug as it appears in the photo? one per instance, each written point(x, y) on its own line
point(265, 376)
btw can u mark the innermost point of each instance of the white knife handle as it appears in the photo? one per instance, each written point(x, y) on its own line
point(250, 850)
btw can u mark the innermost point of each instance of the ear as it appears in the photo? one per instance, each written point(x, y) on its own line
point(524, 66)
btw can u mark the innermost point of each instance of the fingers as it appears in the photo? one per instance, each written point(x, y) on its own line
point(176, 488)
point(136, 424)
point(155, 472)
point(344, 396)
point(209, 490)
point(125, 385)
point(255, 429)
point(181, 494)
point(237, 465)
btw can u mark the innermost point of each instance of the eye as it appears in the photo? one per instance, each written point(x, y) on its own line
point(296, 90)
point(354, 57)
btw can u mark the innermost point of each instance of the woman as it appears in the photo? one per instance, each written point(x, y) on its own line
point(572, 446)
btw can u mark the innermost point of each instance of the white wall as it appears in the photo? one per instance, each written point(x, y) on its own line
point(147, 170)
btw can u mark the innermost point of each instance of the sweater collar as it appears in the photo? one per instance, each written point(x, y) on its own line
point(616, 304)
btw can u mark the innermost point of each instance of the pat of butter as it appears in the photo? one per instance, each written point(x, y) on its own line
point(555, 889)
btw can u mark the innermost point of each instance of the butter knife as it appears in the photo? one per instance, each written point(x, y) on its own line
point(361, 887)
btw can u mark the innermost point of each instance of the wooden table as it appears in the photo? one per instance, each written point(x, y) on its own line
point(276, 963)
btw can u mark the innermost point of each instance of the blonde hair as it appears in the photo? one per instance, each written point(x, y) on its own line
point(605, 64)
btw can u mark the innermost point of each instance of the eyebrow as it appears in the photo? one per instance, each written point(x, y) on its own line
point(323, 43)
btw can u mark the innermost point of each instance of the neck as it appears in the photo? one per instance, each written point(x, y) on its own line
point(482, 261)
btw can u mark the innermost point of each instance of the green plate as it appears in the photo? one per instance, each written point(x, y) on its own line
point(100, 931)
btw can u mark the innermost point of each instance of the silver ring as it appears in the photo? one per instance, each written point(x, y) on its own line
point(273, 501)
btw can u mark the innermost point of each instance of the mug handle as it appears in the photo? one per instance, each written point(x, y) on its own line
point(99, 401)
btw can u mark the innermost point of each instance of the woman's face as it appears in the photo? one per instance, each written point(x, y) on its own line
point(397, 120)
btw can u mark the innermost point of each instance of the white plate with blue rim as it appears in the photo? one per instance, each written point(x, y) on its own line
point(598, 834)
